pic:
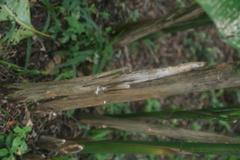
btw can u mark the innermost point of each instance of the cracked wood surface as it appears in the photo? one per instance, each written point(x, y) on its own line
point(124, 85)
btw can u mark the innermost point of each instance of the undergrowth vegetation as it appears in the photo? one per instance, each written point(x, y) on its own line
point(71, 24)
point(14, 143)
point(78, 43)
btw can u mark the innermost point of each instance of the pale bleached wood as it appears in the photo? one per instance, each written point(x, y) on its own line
point(125, 85)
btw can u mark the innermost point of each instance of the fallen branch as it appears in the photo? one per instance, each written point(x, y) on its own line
point(123, 86)
point(179, 20)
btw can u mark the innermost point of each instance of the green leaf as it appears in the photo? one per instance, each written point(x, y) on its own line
point(99, 134)
point(152, 105)
point(18, 34)
point(2, 139)
point(11, 157)
point(3, 152)
point(19, 146)
point(75, 24)
point(22, 132)
point(9, 140)
point(18, 11)
point(20, 8)
point(17, 141)
point(226, 16)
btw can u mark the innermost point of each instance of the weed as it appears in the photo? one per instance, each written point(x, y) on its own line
point(134, 15)
point(82, 40)
point(14, 143)
point(18, 14)
point(20, 70)
point(212, 55)
point(117, 108)
point(152, 105)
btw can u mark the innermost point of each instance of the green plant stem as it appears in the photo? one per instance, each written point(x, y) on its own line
point(231, 113)
point(28, 52)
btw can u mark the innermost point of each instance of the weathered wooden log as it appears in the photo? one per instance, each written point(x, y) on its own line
point(124, 85)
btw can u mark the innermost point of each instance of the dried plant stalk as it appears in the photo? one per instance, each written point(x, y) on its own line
point(181, 19)
point(152, 129)
point(60, 146)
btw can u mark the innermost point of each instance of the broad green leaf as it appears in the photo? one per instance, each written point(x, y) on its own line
point(19, 146)
point(2, 139)
point(3, 15)
point(20, 8)
point(9, 140)
point(17, 11)
point(3, 152)
point(226, 16)
point(22, 132)
point(13, 10)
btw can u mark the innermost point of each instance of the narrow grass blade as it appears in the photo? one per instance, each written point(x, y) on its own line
point(28, 52)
